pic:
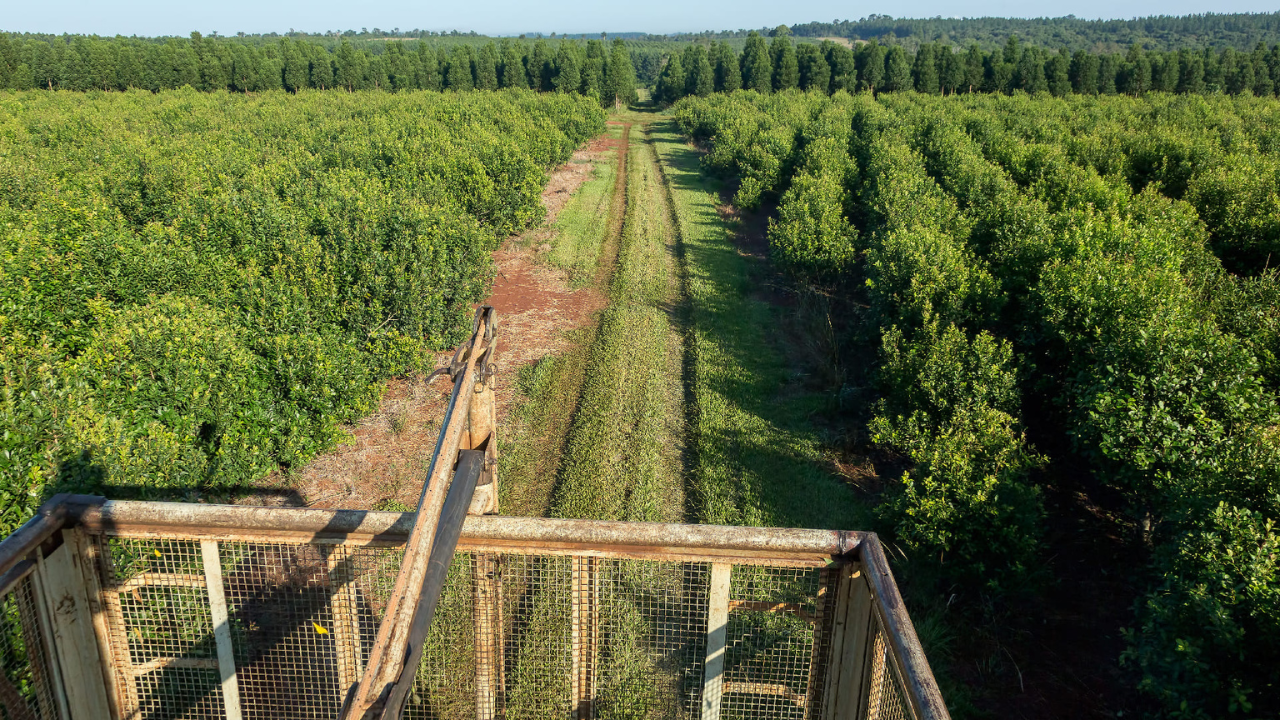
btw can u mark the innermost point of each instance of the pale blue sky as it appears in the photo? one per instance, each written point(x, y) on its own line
point(167, 17)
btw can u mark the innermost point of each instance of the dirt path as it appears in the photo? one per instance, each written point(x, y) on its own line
point(539, 315)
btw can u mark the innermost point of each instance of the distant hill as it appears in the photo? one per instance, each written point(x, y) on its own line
point(1242, 31)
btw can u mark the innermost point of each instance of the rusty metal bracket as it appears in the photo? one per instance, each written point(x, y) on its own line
point(429, 544)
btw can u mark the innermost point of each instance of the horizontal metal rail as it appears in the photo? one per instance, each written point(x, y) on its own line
point(124, 517)
point(49, 519)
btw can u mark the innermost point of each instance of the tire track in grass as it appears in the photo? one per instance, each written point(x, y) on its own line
point(623, 456)
point(621, 460)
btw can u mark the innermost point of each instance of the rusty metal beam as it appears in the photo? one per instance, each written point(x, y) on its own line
point(48, 520)
point(130, 517)
point(904, 646)
point(470, 466)
point(387, 658)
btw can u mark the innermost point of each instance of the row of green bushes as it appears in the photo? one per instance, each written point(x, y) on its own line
point(198, 289)
point(996, 258)
point(1219, 155)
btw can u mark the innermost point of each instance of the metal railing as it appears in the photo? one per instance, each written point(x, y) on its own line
point(166, 610)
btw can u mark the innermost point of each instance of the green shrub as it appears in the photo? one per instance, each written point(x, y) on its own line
point(1239, 199)
point(198, 289)
point(965, 505)
point(811, 236)
point(1208, 640)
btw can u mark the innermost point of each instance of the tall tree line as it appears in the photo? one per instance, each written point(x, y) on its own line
point(779, 64)
point(92, 63)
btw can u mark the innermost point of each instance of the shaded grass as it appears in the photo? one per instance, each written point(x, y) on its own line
point(756, 457)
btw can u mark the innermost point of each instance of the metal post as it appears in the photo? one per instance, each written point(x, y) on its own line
point(850, 635)
point(482, 425)
point(86, 554)
point(73, 633)
point(346, 621)
point(44, 611)
point(221, 628)
point(585, 599)
point(488, 629)
point(717, 627)
point(828, 586)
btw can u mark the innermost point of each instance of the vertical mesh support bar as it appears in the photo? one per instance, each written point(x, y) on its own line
point(717, 627)
point(221, 628)
point(886, 699)
point(585, 599)
point(345, 599)
point(488, 626)
point(125, 681)
point(823, 623)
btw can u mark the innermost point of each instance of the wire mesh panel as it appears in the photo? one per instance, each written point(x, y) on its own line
point(885, 697)
point(515, 634)
point(162, 628)
point(26, 687)
point(562, 637)
point(774, 642)
point(292, 650)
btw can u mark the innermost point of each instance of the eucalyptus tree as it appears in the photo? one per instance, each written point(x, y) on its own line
point(487, 68)
point(620, 76)
point(512, 73)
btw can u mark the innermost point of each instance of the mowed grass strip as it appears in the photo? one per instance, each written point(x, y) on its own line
point(580, 230)
point(756, 456)
point(623, 456)
point(532, 455)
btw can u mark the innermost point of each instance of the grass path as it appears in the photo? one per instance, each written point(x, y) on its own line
point(673, 406)
point(678, 403)
point(581, 236)
point(623, 456)
point(755, 457)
